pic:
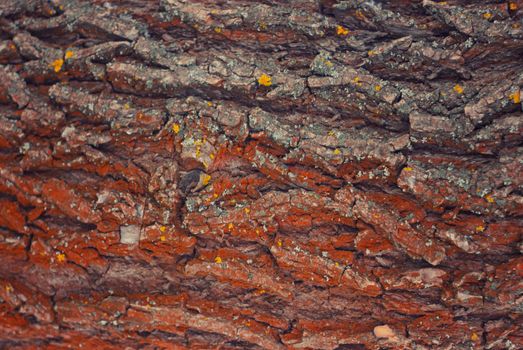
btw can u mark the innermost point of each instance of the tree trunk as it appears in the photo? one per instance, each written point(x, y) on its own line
point(261, 174)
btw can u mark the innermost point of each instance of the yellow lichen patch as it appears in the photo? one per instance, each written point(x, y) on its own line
point(337, 264)
point(211, 155)
point(265, 80)
point(57, 64)
point(357, 81)
point(198, 152)
point(337, 151)
point(513, 6)
point(263, 25)
point(247, 210)
point(377, 88)
point(280, 243)
point(209, 103)
point(218, 30)
point(480, 228)
point(331, 133)
point(218, 260)
point(360, 15)
point(162, 238)
point(69, 54)
point(407, 168)
point(163, 228)
point(489, 198)
point(61, 7)
point(60, 257)
point(371, 53)
point(458, 88)
point(176, 128)
point(230, 226)
point(474, 337)
point(487, 15)
point(342, 31)
point(205, 179)
point(516, 96)
point(126, 106)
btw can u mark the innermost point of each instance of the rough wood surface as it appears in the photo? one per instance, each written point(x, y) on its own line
point(261, 174)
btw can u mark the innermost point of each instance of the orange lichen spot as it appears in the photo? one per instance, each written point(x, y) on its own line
point(360, 15)
point(458, 88)
point(8, 288)
point(265, 80)
point(516, 96)
point(218, 30)
point(337, 264)
point(163, 228)
point(487, 15)
point(480, 228)
point(337, 151)
point(215, 195)
point(342, 31)
point(218, 260)
point(279, 243)
point(247, 210)
point(260, 291)
point(230, 226)
point(408, 168)
point(57, 64)
point(489, 198)
point(162, 238)
point(60, 257)
point(377, 88)
point(474, 337)
point(512, 6)
point(205, 179)
point(69, 54)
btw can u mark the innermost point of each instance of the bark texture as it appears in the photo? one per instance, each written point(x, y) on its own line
point(261, 174)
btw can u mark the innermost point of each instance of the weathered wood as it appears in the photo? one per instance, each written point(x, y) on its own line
point(274, 174)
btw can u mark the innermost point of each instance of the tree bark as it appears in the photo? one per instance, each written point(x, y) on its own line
point(261, 174)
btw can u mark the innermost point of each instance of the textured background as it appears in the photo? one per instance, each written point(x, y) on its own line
point(261, 174)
